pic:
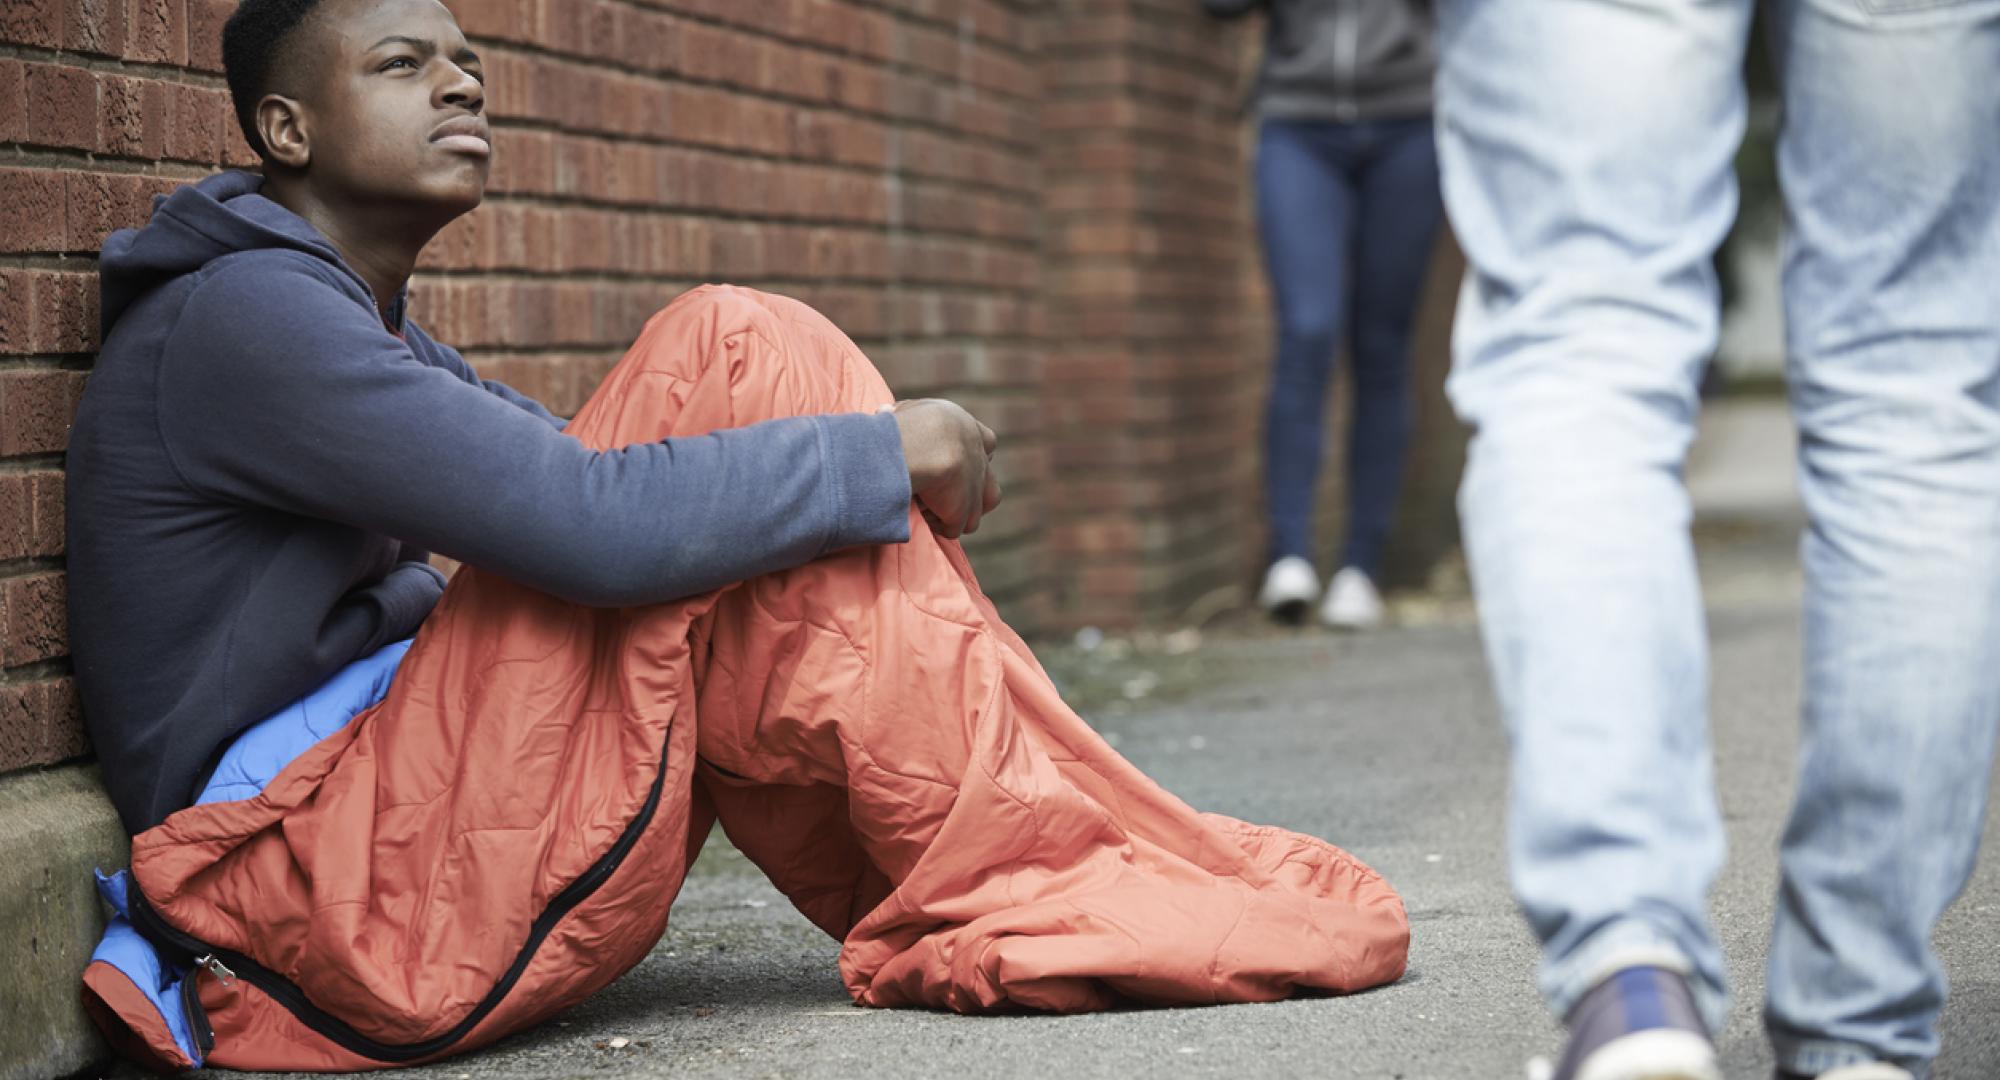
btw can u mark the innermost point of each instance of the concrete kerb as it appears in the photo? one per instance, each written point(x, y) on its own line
point(56, 826)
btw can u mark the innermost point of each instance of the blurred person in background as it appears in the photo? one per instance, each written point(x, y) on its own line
point(1587, 150)
point(1347, 206)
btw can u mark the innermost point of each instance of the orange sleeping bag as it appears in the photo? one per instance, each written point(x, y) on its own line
point(504, 833)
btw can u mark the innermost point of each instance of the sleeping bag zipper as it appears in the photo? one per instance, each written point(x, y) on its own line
point(196, 1012)
point(227, 963)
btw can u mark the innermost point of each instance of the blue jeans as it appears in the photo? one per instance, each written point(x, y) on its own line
point(1586, 150)
point(1347, 213)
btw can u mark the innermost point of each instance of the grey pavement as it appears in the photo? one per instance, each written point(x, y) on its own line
point(1385, 743)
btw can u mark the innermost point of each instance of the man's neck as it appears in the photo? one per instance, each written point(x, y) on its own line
point(380, 244)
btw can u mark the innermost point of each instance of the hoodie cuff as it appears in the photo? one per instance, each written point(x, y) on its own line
point(869, 481)
point(407, 595)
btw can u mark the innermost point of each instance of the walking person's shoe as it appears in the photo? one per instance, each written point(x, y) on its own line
point(1290, 586)
point(1872, 1070)
point(1352, 602)
point(1639, 1024)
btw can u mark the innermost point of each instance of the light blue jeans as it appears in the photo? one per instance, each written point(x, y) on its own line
point(1586, 150)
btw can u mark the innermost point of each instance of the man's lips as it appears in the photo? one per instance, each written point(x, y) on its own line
point(464, 134)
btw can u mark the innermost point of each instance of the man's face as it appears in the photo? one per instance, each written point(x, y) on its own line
point(395, 110)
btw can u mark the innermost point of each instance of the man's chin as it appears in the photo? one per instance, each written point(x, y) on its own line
point(469, 201)
point(455, 196)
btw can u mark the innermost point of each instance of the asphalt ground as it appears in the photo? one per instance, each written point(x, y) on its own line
point(1385, 743)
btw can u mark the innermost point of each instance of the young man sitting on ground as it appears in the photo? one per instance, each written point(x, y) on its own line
point(706, 597)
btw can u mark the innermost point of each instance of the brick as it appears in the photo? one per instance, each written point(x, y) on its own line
point(33, 22)
point(560, 25)
point(599, 29)
point(46, 311)
point(31, 210)
point(524, 162)
point(157, 31)
point(204, 32)
point(869, 34)
point(40, 723)
point(69, 316)
point(17, 311)
point(13, 101)
point(36, 618)
point(236, 152)
point(133, 117)
point(584, 374)
point(98, 203)
point(648, 40)
point(46, 525)
point(96, 26)
point(17, 514)
point(507, 20)
point(62, 107)
point(534, 376)
point(36, 408)
point(193, 130)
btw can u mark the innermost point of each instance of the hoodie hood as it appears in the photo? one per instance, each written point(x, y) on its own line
point(195, 225)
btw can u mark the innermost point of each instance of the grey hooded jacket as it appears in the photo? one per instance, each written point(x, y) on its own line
point(1342, 60)
point(260, 466)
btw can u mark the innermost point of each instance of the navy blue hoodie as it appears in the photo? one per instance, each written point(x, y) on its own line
point(259, 469)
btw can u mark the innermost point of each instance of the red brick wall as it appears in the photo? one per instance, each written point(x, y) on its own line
point(1156, 326)
point(1035, 207)
point(103, 103)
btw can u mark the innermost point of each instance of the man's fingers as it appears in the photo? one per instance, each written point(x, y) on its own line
point(950, 470)
point(975, 480)
point(951, 512)
point(936, 523)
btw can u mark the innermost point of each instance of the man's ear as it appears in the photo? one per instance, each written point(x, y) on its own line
point(281, 123)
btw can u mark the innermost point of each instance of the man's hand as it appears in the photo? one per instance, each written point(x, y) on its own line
point(950, 456)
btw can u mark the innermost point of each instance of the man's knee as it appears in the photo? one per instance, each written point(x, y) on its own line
point(773, 355)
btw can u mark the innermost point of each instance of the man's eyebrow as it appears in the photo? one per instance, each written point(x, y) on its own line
point(420, 44)
point(425, 46)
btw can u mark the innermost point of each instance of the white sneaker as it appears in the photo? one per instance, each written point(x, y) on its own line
point(1289, 587)
point(1351, 601)
point(1874, 1070)
point(1659, 1054)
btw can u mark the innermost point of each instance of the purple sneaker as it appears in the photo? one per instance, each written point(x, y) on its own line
point(1639, 1024)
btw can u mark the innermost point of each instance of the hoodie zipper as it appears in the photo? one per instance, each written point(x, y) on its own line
point(1346, 58)
point(227, 964)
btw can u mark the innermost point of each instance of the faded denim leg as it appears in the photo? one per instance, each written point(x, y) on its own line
point(1890, 159)
point(1586, 151)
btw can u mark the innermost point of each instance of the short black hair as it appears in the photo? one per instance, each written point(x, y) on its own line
point(254, 41)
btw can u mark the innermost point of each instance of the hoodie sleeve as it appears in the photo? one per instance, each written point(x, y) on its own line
point(278, 389)
point(519, 400)
point(448, 358)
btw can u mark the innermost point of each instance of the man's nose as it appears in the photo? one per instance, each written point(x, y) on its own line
point(461, 89)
